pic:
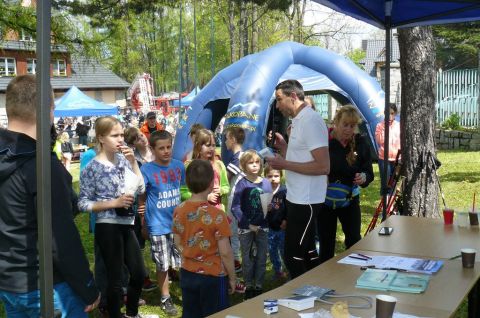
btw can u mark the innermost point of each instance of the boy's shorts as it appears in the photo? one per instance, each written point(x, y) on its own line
point(164, 252)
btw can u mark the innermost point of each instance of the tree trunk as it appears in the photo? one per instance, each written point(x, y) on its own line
point(254, 47)
point(243, 30)
point(231, 30)
point(417, 60)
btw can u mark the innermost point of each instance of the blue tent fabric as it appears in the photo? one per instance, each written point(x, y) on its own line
point(75, 103)
point(187, 100)
point(407, 13)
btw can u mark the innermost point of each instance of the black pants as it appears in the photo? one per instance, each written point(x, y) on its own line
point(300, 251)
point(350, 219)
point(119, 246)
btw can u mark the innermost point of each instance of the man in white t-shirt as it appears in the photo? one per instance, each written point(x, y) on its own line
point(307, 164)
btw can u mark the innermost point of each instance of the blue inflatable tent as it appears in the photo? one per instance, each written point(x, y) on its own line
point(187, 100)
point(75, 103)
point(243, 92)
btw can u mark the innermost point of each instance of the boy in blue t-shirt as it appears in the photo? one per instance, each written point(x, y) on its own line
point(163, 178)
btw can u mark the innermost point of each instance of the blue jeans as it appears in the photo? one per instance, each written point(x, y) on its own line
point(203, 295)
point(276, 248)
point(27, 305)
point(254, 263)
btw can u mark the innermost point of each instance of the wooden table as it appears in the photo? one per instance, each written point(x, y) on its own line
point(427, 238)
point(412, 237)
point(444, 294)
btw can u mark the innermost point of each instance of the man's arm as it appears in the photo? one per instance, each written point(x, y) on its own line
point(320, 165)
point(226, 255)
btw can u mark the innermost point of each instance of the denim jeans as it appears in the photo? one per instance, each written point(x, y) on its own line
point(202, 295)
point(276, 248)
point(27, 305)
point(254, 263)
point(234, 240)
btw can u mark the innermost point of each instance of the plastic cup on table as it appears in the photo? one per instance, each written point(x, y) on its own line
point(462, 219)
point(448, 216)
point(468, 257)
point(385, 306)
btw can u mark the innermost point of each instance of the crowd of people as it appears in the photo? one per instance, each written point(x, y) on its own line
point(215, 222)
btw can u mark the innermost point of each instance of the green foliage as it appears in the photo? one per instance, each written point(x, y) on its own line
point(457, 45)
point(356, 56)
point(452, 122)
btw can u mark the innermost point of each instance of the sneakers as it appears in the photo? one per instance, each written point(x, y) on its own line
point(240, 287)
point(238, 267)
point(148, 285)
point(168, 306)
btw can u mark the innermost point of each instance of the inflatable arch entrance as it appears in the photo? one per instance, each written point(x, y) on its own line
point(243, 91)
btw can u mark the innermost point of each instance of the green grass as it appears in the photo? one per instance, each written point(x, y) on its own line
point(459, 177)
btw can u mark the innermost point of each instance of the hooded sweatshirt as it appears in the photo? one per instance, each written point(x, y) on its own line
point(19, 263)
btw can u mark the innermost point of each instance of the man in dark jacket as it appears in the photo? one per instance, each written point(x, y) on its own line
point(75, 292)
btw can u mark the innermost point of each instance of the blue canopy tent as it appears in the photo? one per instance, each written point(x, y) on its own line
point(76, 103)
point(388, 14)
point(187, 100)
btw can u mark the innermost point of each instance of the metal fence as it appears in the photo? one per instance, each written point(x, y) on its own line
point(321, 104)
point(457, 93)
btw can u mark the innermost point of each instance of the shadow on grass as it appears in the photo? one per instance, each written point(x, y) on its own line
point(460, 177)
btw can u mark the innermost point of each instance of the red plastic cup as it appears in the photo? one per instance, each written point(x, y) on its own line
point(448, 216)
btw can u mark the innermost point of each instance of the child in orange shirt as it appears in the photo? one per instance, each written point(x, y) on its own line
point(201, 233)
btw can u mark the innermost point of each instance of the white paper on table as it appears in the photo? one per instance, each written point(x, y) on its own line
point(266, 199)
point(353, 261)
point(321, 313)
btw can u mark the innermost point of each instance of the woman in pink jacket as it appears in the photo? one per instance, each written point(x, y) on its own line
point(393, 146)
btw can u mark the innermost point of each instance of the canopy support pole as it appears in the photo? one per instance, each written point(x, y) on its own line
point(43, 159)
point(386, 168)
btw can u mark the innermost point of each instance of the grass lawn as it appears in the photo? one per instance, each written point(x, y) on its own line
point(459, 177)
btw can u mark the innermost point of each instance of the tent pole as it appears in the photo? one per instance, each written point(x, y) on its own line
point(388, 29)
point(44, 200)
point(180, 44)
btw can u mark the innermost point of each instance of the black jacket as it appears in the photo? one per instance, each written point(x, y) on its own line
point(18, 223)
point(341, 171)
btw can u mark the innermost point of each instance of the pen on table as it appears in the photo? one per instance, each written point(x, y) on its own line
point(362, 255)
point(384, 277)
point(387, 269)
point(455, 257)
point(358, 257)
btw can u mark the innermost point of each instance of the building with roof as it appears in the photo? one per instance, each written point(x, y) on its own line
point(374, 65)
point(17, 57)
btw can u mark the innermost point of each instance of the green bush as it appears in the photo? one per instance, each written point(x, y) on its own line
point(452, 122)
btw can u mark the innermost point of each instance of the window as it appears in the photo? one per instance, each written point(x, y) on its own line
point(59, 68)
point(31, 66)
point(7, 66)
point(26, 36)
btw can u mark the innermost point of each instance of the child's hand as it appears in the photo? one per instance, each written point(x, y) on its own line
point(124, 201)
point(283, 226)
point(213, 197)
point(232, 281)
point(253, 228)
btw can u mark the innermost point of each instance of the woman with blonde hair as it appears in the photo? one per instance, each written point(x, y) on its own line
point(350, 168)
point(204, 148)
point(108, 185)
